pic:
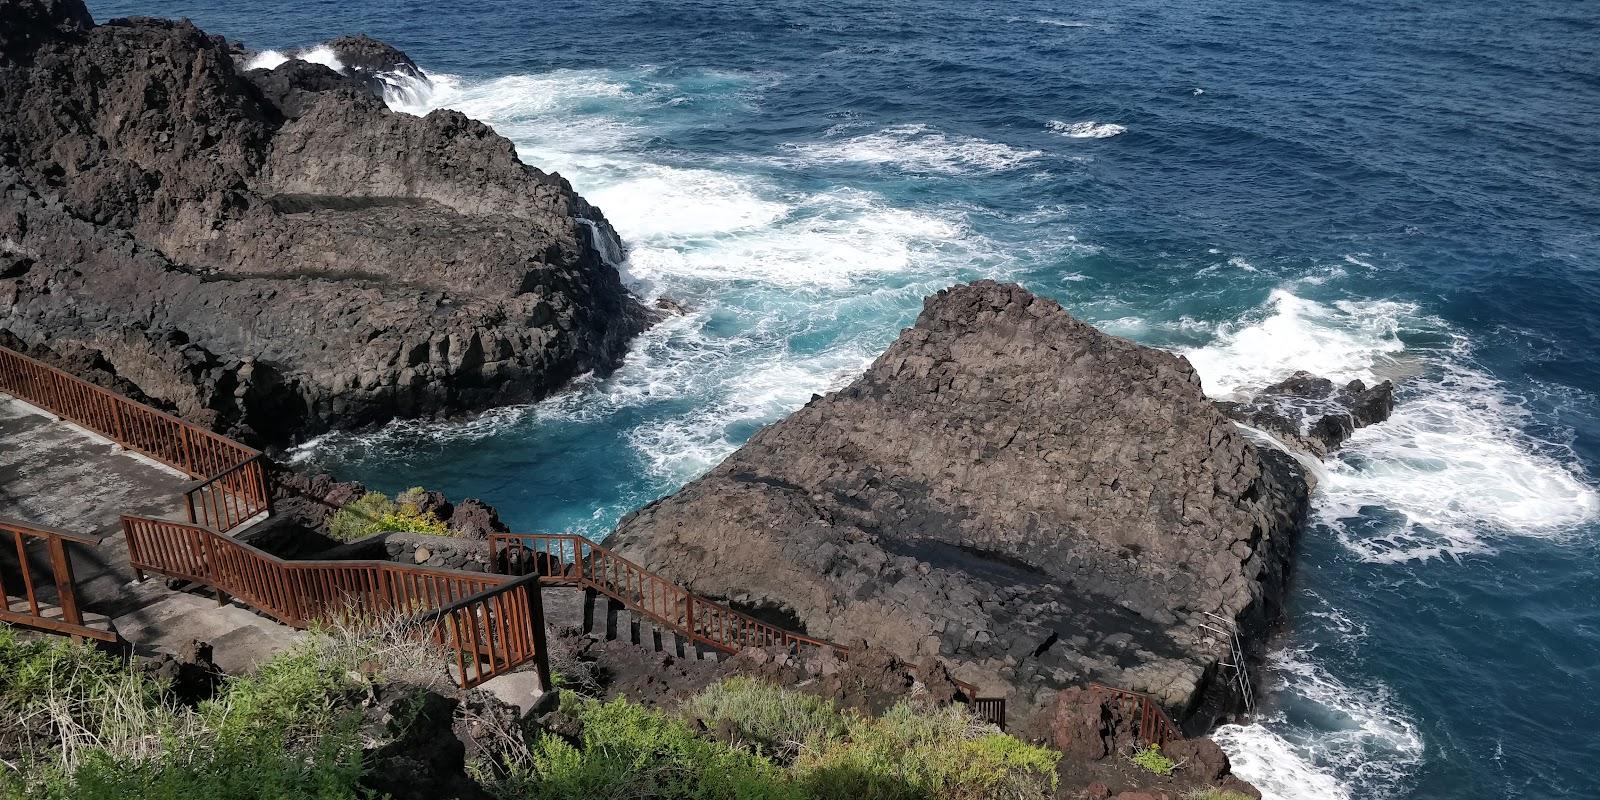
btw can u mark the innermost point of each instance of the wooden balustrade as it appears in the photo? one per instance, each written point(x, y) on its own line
point(28, 591)
point(231, 479)
point(493, 623)
point(503, 625)
point(232, 497)
point(1151, 723)
point(570, 560)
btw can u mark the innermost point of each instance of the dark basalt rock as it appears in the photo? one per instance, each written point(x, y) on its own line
point(24, 24)
point(1008, 488)
point(1312, 414)
point(275, 254)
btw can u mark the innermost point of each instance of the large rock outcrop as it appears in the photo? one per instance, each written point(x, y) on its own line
point(1007, 487)
point(275, 252)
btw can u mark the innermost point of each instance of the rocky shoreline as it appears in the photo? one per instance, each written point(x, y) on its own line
point(1010, 489)
point(274, 253)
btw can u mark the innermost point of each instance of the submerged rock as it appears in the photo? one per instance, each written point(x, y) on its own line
point(275, 253)
point(1312, 414)
point(1006, 487)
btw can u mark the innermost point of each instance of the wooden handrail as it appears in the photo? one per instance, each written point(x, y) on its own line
point(499, 614)
point(570, 560)
point(28, 608)
point(228, 486)
point(1153, 726)
point(498, 627)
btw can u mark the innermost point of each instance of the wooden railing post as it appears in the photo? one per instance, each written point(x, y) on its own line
point(541, 652)
point(66, 586)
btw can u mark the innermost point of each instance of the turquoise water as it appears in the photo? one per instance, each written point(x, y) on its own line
point(1367, 190)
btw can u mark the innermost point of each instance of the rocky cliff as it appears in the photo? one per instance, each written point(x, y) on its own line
point(1007, 487)
point(275, 253)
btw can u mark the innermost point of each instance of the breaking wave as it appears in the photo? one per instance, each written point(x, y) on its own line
point(321, 54)
point(1087, 130)
point(1325, 739)
point(919, 148)
point(1450, 470)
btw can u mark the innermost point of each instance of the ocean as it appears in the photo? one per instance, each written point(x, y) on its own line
point(1400, 190)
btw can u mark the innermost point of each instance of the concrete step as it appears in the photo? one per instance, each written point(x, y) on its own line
point(243, 640)
point(53, 613)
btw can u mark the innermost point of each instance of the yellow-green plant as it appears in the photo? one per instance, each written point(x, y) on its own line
point(1151, 759)
point(374, 513)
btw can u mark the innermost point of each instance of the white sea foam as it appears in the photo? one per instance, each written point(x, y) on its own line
point(1344, 742)
point(1454, 465)
point(919, 148)
point(1275, 766)
point(1342, 341)
point(1087, 130)
point(1452, 468)
point(267, 59)
point(677, 449)
point(824, 241)
point(321, 54)
point(654, 201)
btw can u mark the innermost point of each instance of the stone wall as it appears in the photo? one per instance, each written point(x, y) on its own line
point(446, 552)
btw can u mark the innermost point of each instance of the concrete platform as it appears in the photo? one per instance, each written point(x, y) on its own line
point(58, 475)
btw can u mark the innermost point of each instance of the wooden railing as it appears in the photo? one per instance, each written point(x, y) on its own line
point(503, 625)
point(231, 479)
point(493, 623)
point(27, 600)
point(1152, 725)
point(571, 560)
point(232, 497)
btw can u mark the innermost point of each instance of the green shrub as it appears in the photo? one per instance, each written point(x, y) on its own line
point(99, 730)
point(374, 512)
point(919, 753)
point(1152, 760)
point(782, 722)
point(629, 751)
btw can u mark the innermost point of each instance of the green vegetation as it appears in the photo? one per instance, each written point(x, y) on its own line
point(630, 751)
point(84, 726)
point(376, 513)
point(1152, 760)
point(78, 724)
point(780, 723)
point(772, 743)
point(1216, 794)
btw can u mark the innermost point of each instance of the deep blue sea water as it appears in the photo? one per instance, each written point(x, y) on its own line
point(1363, 189)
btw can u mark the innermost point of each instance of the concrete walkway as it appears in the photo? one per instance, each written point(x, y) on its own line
point(56, 475)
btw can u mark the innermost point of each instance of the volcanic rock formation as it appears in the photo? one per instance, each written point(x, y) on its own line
point(1311, 414)
point(275, 253)
point(1007, 487)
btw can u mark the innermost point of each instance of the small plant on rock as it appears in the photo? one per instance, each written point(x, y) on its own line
point(376, 513)
point(1214, 793)
point(1152, 760)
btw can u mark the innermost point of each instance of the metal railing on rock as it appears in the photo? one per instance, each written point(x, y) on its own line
point(491, 623)
point(572, 560)
point(231, 479)
point(1151, 723)
point(27, 597)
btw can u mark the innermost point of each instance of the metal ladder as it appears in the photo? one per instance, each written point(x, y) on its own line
point(1241, 672)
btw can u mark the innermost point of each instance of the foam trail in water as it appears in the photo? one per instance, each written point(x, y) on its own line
point(1450, 468)
point(919, 148)
point(1087, 130)
point(1343, 743)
